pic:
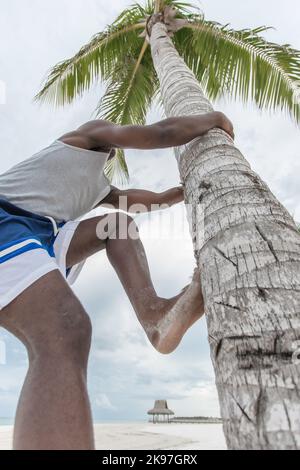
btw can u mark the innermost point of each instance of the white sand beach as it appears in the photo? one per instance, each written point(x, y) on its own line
point(147, 436)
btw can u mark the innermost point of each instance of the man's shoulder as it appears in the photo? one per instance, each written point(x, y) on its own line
point(91, 135)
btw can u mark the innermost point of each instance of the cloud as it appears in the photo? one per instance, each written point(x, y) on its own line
point(10, 378)
point(102, 402)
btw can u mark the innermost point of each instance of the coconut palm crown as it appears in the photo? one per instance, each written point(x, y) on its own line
point(241, 64)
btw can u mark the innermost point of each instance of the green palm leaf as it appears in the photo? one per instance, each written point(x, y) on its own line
point(244, 65)
point(95, 60)
point(131, 89)
point(116, 169)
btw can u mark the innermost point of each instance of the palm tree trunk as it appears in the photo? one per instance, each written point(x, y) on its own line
point(248, 249)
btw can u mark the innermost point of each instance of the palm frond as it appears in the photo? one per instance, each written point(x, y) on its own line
point(183, 8)
point(130, 90)
point(129, 94)
point(74, 76)
point(184, 43)
point(116, 169)
point(244, 65)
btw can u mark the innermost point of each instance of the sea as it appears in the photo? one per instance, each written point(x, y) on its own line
point(6, 421)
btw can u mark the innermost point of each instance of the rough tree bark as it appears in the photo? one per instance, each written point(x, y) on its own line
point(250, 270)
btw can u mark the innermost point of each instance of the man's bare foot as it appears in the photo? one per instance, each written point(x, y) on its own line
point(173, 319)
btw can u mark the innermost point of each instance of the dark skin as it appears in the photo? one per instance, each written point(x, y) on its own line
point(145, 201)
point(171, 132)
point(53, 411)
point(105, 136)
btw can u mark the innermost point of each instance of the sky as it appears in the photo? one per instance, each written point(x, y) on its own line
point(126, 374)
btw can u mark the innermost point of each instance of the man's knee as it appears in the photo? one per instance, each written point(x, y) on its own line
point(68, 335)
point(117, 225)
point(125, 226)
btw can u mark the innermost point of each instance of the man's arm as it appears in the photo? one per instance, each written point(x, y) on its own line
point(171, 132)
point(139, 200)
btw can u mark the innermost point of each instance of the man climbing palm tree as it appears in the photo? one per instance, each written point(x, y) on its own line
point(42, 243)
point(249, 243)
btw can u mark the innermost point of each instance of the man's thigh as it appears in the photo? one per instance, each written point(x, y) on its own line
point(42, 311)
point(89, 238)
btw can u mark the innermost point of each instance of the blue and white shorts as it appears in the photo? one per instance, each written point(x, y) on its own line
point(30, 247)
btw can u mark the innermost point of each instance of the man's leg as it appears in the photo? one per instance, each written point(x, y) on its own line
point(54, 410)
point(165, 321)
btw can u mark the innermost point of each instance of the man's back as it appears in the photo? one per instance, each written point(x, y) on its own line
point(60, 181)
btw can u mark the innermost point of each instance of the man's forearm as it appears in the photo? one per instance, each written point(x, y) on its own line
point(171, 196)
point(151, 200)
point(181, 130)
point(171, 132)
point(139, 200)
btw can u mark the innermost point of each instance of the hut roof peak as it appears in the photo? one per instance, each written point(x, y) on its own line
point(160, 407)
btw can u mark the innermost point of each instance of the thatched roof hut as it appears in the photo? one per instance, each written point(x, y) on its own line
point(160, 412)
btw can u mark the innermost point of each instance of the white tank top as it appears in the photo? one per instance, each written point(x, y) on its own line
point(60, 181)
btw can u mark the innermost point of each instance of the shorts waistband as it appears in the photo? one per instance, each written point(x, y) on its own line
point(6, 204)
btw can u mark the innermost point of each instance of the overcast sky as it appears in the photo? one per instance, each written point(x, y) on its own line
point(126, 375)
